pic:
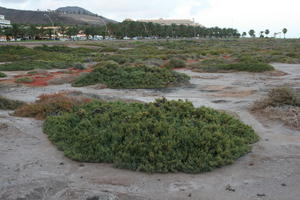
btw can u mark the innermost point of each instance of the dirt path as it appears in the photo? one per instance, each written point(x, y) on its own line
point(32, 168)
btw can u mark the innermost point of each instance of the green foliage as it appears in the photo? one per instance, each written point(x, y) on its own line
point(176, 63)
point(8, 104)
point(24, 80)
point(30, 65)
point(245, 65)
point(45, 57)
point(115, 76)
point(2, 75)
point(163, 136)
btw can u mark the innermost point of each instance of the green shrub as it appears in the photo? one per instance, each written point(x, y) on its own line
point(2, 75)
point(163, 136)
point(253, 66)
point(30, 65)
point(24, 80)
point(115, 76)
point(176, 63)
point(8, 104)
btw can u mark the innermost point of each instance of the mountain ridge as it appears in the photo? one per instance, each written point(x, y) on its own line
point(70, 15)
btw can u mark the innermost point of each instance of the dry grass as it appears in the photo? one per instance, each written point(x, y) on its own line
point(49, 105)
point(289, 115)
point(281, 104)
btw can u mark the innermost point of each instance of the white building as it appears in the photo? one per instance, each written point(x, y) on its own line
point(186, 22)
point(4, 22)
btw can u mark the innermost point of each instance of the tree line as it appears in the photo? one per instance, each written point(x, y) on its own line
point(264, 33)
point(120, 30)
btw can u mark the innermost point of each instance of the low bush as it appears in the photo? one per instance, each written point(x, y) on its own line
point(31, 65)
point(280, 96)
point(253, 66)
point(175, 63)
point(163, 136)
point(2, 75)
point(116, 76)
point(8, 104)
point(24, 80)
point(48, 105)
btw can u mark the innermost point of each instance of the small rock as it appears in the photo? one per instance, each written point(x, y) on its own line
point(261, 195)
point(267, 139)
point(93, 198)
point(61, 163)
point(158, 179)
point(81, 165)
point(283, 184)
point(190, 195)
point(81, 177)
point(230, 188)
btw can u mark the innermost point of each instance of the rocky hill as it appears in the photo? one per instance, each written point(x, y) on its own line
point(65, 16)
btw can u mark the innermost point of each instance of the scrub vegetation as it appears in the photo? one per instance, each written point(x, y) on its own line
point(115, 76)
point(163, 136)
point(9, 104)
point(281, 104)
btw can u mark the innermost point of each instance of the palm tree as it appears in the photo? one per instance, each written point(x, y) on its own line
point(244, 34)
point(261, 34)
point(284, 32)
point(252, 33)
point(267, 32)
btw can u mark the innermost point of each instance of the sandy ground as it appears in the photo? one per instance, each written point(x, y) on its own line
point(31, 168)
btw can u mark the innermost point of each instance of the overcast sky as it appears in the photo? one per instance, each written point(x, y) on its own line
point(243, 15)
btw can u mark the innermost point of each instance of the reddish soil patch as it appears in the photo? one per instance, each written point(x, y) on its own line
point(191, 61)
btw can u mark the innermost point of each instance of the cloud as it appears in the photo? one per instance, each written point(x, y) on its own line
point(13, 1)
point(244, 15)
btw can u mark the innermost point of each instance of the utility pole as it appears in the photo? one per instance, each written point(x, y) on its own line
point(50, 21)
point(106, 29)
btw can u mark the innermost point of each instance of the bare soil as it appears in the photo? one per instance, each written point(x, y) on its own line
point(31, 168)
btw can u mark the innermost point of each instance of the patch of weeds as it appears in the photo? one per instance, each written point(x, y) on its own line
point(24, 80)
point(176, 63)
point(2, 75)
point(31, 65)
point(49, 105)
point(277, 97)
point(8, 104)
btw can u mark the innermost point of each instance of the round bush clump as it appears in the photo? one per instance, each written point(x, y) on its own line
point(163, 136)
point(2, 75)
point(131, 77)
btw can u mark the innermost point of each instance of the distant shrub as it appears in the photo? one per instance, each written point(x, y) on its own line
point(31, 65)
point(2, 75)
point(48, 105)
point(8, 104)
point(78, 66)
point(108, 49)
point(120, 59)
point(163, 136)
point(24, 80)
point(115, 76)
point(244, 65)
point(54, 48)
point(176, 63)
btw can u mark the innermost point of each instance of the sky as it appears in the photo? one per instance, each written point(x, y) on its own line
point(243, 15)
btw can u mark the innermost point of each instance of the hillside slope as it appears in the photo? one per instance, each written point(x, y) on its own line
point(81, 17)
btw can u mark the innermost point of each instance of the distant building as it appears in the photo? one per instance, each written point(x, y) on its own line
point(186, 22)
point(4, 22)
